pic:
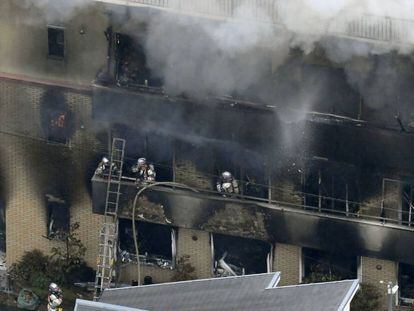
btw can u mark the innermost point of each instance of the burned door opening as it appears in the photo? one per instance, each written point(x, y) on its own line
point(58, 217)
point(319, 266)
point(156, 243)
point(239, 256)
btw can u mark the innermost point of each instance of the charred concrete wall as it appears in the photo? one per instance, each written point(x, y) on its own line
point(32, 168)
point(24, 41)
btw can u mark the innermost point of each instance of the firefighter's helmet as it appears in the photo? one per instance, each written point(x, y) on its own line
point(141, 161)
point(105, 160)
point(226, 175)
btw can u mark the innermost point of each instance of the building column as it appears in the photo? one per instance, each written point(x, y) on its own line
point(372, 271)
point(287, 259)
point(195, 245)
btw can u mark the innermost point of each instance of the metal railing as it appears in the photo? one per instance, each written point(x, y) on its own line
point(279, 196)
point(378, 28)
point(255, 10)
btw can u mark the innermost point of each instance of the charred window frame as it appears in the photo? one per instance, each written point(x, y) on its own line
point(406, 283)
point(58, 216)
point(241, 255)
point(320, 266)
point(56, 42)
point(156, 243)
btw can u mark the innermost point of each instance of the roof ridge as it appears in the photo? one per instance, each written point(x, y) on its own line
point(275, 274)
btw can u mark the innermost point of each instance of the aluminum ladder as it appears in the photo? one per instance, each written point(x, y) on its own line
point(109, 233)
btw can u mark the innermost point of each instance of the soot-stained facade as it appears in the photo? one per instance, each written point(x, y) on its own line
point(324, 163)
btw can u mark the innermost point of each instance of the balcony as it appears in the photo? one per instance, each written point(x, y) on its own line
point(265, 219)
point(365, 27)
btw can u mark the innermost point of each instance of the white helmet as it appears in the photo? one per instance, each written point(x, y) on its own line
point(53, 287)
point(141, 161)
point(105, 161)
point(226, 175)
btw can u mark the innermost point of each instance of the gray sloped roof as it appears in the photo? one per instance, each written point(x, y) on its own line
point(86, 305)
point(251, 292)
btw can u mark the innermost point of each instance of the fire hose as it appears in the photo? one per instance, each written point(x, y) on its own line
point(140, 191)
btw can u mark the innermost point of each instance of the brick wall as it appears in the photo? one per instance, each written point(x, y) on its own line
point(287, 259)
point(30, 167)
point(373, 270)
point(196, 244)
point(159, 275)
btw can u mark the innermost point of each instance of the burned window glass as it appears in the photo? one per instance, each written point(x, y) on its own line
point(156, 243)
point(406, 282)
point(238, 256)
point(57, 215)
point(56, 42)
point(320, 266)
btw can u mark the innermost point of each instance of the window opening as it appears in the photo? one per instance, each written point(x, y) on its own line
point(320, 266)
point(56, 42)
point(239, 256)
point(156, 243)
point(57, 215)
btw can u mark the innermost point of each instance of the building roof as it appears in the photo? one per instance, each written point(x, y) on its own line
point(248, 292)
point(86, 305)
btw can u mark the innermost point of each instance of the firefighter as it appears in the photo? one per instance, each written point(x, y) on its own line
point(103, 168)
point(54, 298)
point(227, 184)
point(145, 172)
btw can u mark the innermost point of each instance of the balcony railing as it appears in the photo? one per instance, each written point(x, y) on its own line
point(279, 196)
point(370, 27)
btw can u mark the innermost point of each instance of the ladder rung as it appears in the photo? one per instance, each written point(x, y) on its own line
point(114, 192)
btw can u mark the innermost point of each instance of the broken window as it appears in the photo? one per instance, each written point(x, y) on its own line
point(406, 283)
point(156, 243)
point(331, 187)
point(57, 216)
point(320, 266)
point(131, 63)
point(239, 256)
point(56, 42)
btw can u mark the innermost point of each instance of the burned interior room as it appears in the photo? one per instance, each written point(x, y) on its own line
point(239, 256)
point(131, 63)
point(321, 266)
point(156, 243)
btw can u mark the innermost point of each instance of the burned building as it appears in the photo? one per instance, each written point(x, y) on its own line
point(318, 140)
